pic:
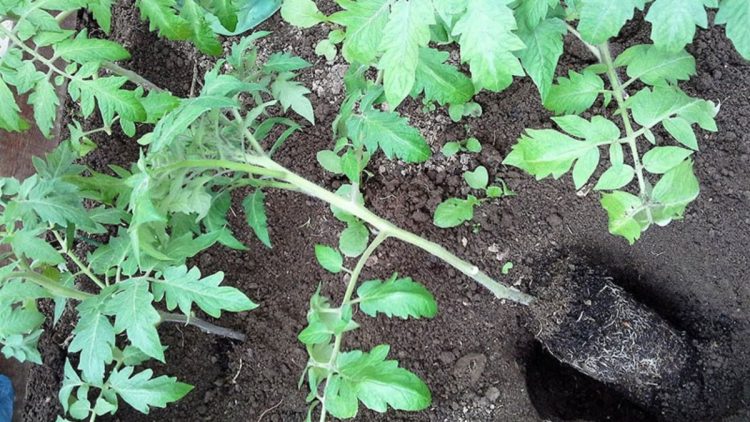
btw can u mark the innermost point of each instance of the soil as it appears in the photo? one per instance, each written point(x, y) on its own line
point(479, 355)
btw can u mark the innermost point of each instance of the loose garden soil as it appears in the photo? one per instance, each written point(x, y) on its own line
point(479, 355)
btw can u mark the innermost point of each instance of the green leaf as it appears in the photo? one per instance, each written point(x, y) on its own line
point(255, 215)
point(622, 208)
point(379, 383)
point(574, 94)
point(284, 62)
point(601, 20)
point(477, 179)
point(45, 101)
point(176, 122)
point(547, 152)
point(225, 11)
point(615, 177)
point(454, 211)
point(182, 288)
point(157, 104)
point(302, 13)
point(30, 245)
point(329, 258)
point(201, 33)
point(341, 401)
point(673, 22)
point(102, 11)
point(82, 49)
point(450, 148)
point(655, 66)
point(473, 145)
point(544, 46)
point(407, 30)
point(531, 12)
point(401, 297)
point(365, 22)
point(598, 129)
point(144, 392)
point(680, 129)
point(94, 338)
point(651, 107)
point(736, 15)
point(161, 15)
point(10, 114)
point(487, 43)
point(23, 347)
point(353, 240)
point(392, 133)
point(135, 315)
point(330, 161)
point(293, 94)
point(677, 188)
point(660, 160)
point(70, 382)
point(111, 99)
point(585, 167)
point(327, 49)
point(441, 82)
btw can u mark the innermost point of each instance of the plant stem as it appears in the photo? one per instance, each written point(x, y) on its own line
point(622, 109)
point(353, 279)
point(84, 268)
point(132, 76)
point(590, 47)
point(204, 326)
point(266, 166)
point(50, 285)
point(500, 290)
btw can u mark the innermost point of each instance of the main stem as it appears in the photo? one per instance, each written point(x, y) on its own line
point(630, 135)
point(353, 278)
point(500, 290)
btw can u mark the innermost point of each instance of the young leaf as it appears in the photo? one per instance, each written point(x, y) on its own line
point(201, 33)
point(615, 177)
point(255, 215)
point(407, 30)
point(473, 145)
point(353, 240)
point(622, 208)
point(329, 160)
point(477, 179)
point(82, 49)
point(144, 392)
point(673, 21)
point(454, 211)
point(329, 258)
point(284, 62)
point(660, 160)
point(292, 94)
point(401, 297)
point(601, 20)
point(45, 101)
point(736, 15)
point(681, 130)
point(182, 288)
point(10, 114)
point(93, 337)
point(365, 22)
point(302, 13)
point(23, 347)
point(651, 107)
point(596, 130)
point(655, 66)
point(487, 43)
point(162, 15)
point(531, 12)
point(677, 188)
point(450, 148)
point(585, 167)
point(135, 314)
point(574, 94)
point(547, 152)
point(392, 133)
point(379, 383)
point(544, 46)
point(441, 82)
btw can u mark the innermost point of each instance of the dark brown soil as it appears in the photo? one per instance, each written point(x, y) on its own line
point(478, 356)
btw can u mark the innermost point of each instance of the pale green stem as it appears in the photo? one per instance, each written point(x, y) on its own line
point(353, 279)
point(132, 77)
point(622, 109)
point(500, 290)
point(73, 257)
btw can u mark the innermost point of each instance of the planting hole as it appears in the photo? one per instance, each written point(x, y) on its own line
point(561, 393)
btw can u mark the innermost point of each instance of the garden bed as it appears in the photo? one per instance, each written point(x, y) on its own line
point(478, 356)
